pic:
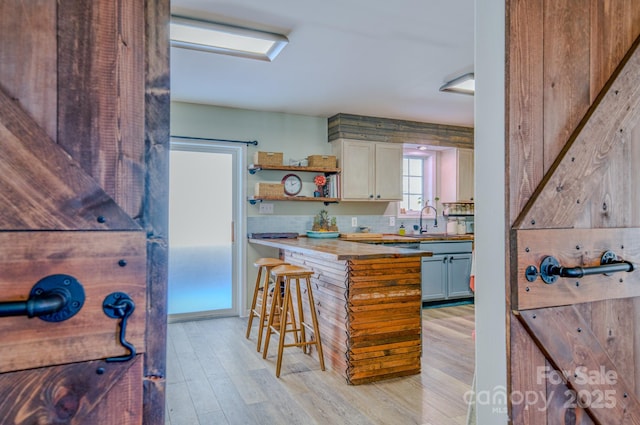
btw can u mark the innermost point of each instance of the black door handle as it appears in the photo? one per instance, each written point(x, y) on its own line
point(53, 299)
point(550, 268)
point(119, 305)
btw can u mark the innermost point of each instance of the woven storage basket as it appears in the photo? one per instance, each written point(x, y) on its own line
point(268, 189)
point(324, 161)
point(268, 158)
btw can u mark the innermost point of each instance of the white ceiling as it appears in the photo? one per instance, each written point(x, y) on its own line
point(366, 57)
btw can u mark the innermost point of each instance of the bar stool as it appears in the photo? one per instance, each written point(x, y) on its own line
point(264, 264)
point(289, 273)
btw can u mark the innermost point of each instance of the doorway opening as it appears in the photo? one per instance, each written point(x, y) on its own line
point(204, 217)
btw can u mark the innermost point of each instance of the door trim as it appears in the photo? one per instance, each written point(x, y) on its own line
point(239, 246)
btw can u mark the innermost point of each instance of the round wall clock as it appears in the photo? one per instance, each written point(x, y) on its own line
point(292, 184)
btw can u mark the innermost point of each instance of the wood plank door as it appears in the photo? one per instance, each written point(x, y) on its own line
point(83, 151)
point(573, 131)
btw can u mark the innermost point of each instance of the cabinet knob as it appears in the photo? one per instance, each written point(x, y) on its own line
point(378, 196)
point(371, 196)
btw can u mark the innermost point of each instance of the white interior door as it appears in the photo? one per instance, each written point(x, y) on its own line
point(203, 219)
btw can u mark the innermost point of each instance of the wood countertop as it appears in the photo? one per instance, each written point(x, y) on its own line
point(392, 238)
point(339, 249)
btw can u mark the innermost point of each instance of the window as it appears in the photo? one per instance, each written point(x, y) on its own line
point(412, 183)
point(418, 181)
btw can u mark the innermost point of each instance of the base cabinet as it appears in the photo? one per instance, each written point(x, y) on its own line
point(434, 278)
point(446, 276)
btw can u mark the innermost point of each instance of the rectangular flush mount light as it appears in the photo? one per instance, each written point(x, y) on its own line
point(225, 39)
point(464, 84)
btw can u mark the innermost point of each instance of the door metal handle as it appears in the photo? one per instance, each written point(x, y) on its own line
point(53, 299)
point(119, 305)
point(550, 268)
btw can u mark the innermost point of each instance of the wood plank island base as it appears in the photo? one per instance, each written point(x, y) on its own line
point(368, 301)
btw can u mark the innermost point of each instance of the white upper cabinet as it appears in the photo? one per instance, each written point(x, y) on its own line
point(456, 167)
point(371, 171)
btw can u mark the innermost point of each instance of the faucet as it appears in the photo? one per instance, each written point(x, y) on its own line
point(435, 223)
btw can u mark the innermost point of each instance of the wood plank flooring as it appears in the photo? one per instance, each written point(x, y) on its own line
point(216, 376)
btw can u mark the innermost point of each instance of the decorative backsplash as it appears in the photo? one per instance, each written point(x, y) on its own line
point(302, 223)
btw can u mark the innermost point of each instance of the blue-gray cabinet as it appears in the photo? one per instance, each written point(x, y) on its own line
point(446, 274)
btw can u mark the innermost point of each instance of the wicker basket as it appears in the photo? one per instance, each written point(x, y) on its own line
point(269, 189)
point(268, 158)
point(323, 161)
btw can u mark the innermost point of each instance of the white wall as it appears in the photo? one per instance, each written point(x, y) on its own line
point(297, 136)
point(491, 363)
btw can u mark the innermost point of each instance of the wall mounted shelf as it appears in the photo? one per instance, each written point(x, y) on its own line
point(255, 199)
point(254, 168)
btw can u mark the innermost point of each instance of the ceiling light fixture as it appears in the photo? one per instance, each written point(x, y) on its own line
point(225, 39)
point(465, 84)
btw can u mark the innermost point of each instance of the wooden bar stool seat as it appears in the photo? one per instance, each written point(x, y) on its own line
point(288, 317)
point(259, 306)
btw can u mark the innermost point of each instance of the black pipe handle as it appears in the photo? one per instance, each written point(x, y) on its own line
point(53, 299)
point(550, 268)
point(576, 272)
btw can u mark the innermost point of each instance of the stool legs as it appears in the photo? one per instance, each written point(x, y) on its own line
point(314, 320)
point(263, 309)
point(283, 329)
point(252, 312)
point(299, 332)
point(262, 285)
point(283, 309)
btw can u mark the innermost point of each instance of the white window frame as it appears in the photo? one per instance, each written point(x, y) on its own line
point(429, 174)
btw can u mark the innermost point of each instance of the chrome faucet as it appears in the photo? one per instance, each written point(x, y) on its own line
point(435, 222)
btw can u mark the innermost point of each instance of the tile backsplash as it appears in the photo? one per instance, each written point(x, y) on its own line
point(302, 223)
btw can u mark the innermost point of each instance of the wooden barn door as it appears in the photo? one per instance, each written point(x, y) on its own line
point(83, 211)
point(573, 108)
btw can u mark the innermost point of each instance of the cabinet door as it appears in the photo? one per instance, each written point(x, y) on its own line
point(388, 164)
point(465, 174)
point(357, 170)
point(456, 175)
point(434, 278)
point(459, 272)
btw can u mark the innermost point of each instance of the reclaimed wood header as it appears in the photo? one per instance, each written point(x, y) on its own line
point(357, 127)
point(336, 249)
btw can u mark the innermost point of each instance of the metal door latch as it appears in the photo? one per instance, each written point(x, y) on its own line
point(119, 305)
point(550, 268)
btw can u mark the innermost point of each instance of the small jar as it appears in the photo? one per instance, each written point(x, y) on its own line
point(452, 227)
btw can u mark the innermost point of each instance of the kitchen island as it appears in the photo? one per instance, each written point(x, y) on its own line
point(368, 301)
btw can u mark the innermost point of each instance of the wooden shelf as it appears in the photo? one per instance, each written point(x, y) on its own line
point(255, 199)
point(253, 168)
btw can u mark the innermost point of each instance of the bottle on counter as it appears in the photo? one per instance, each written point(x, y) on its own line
point(402, 230)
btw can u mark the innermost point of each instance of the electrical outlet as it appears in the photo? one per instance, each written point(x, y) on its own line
point(265, 208)
point(392, 221)
point(354, 221)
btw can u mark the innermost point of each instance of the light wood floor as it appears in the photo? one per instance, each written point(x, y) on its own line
point(215, 376)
